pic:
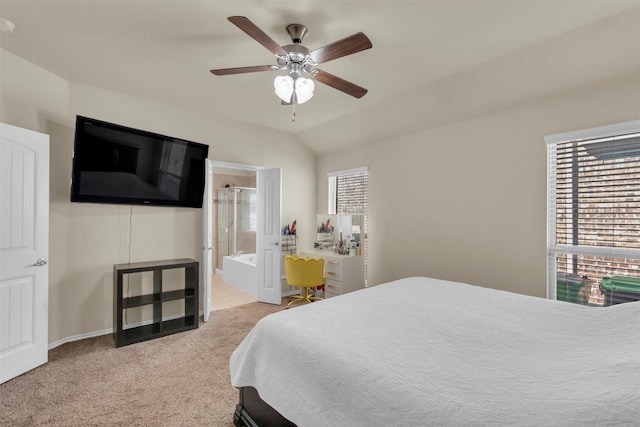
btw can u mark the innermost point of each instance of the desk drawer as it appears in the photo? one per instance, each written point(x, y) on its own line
point(333, 287)
point(334, 269)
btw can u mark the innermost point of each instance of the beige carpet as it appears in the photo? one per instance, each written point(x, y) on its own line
point(178, 380)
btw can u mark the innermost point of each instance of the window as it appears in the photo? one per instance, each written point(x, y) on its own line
point(348, 195)
point(594, 215)
point(348, 191)
point(253, 211)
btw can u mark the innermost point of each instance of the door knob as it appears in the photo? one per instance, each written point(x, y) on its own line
point(39, 263)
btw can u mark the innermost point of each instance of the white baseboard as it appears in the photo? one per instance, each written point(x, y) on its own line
point(103, 332)
point(79, 337)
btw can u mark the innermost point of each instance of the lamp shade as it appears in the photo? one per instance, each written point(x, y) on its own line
point(284, 87)
point(304, 89)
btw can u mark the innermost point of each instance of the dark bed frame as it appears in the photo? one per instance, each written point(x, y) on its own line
point(252, 411)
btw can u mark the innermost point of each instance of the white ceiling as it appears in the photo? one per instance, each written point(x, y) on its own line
point(431, 62)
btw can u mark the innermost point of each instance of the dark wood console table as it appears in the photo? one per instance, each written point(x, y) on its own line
point(158, 327)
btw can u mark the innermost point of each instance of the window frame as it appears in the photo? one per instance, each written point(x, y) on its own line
point(332, 191)
point(553, 249)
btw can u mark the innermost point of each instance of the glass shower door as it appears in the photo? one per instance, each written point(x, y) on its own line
point(246, 207)
point(222, 226)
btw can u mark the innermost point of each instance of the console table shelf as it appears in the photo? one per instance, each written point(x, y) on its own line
point(159, 327)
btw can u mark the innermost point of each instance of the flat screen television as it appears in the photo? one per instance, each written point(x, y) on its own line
point(121, 165)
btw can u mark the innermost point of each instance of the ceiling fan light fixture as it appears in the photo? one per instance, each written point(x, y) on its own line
point(283, 86)
point(304, 89)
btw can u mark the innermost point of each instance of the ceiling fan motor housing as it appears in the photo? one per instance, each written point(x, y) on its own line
point(296, 61)
point(297, 32)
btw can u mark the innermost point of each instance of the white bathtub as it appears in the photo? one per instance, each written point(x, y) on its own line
point(241, 272)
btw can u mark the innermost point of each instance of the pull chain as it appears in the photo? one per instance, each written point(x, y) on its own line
point(293, 116)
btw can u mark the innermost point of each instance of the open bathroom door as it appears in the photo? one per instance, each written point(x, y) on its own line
point(269, 185)
point(207, 239)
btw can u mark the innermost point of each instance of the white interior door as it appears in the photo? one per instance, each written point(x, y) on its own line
point(207, 237)
point(24, 250)
point(269, 185)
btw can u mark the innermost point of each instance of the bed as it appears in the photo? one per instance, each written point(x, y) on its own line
point(421, 351)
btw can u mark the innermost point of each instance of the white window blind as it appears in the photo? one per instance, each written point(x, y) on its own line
point(348, 191)
point(594, 215)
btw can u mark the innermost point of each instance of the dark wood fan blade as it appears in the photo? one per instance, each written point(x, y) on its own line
point(340, 48)
point(257, 34)
point(241, 70)
point(340, 84)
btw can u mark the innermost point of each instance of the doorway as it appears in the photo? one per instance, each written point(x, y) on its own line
point(264, 277)
point(233, 226)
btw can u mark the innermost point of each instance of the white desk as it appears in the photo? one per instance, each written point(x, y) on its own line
point(343, 273)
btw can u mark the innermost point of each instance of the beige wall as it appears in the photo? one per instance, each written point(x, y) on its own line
point(467, 201)
point(87, 239)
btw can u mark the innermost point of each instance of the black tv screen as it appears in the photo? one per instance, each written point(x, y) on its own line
point(121, 165)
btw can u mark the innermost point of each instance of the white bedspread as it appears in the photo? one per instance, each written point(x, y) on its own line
point(421, 351)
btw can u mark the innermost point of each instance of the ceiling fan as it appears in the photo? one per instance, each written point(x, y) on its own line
point(299, 62)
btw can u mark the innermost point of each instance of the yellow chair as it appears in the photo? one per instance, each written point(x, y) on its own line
point(304, 273)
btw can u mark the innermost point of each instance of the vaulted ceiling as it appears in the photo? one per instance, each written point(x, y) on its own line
point(432, 62)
